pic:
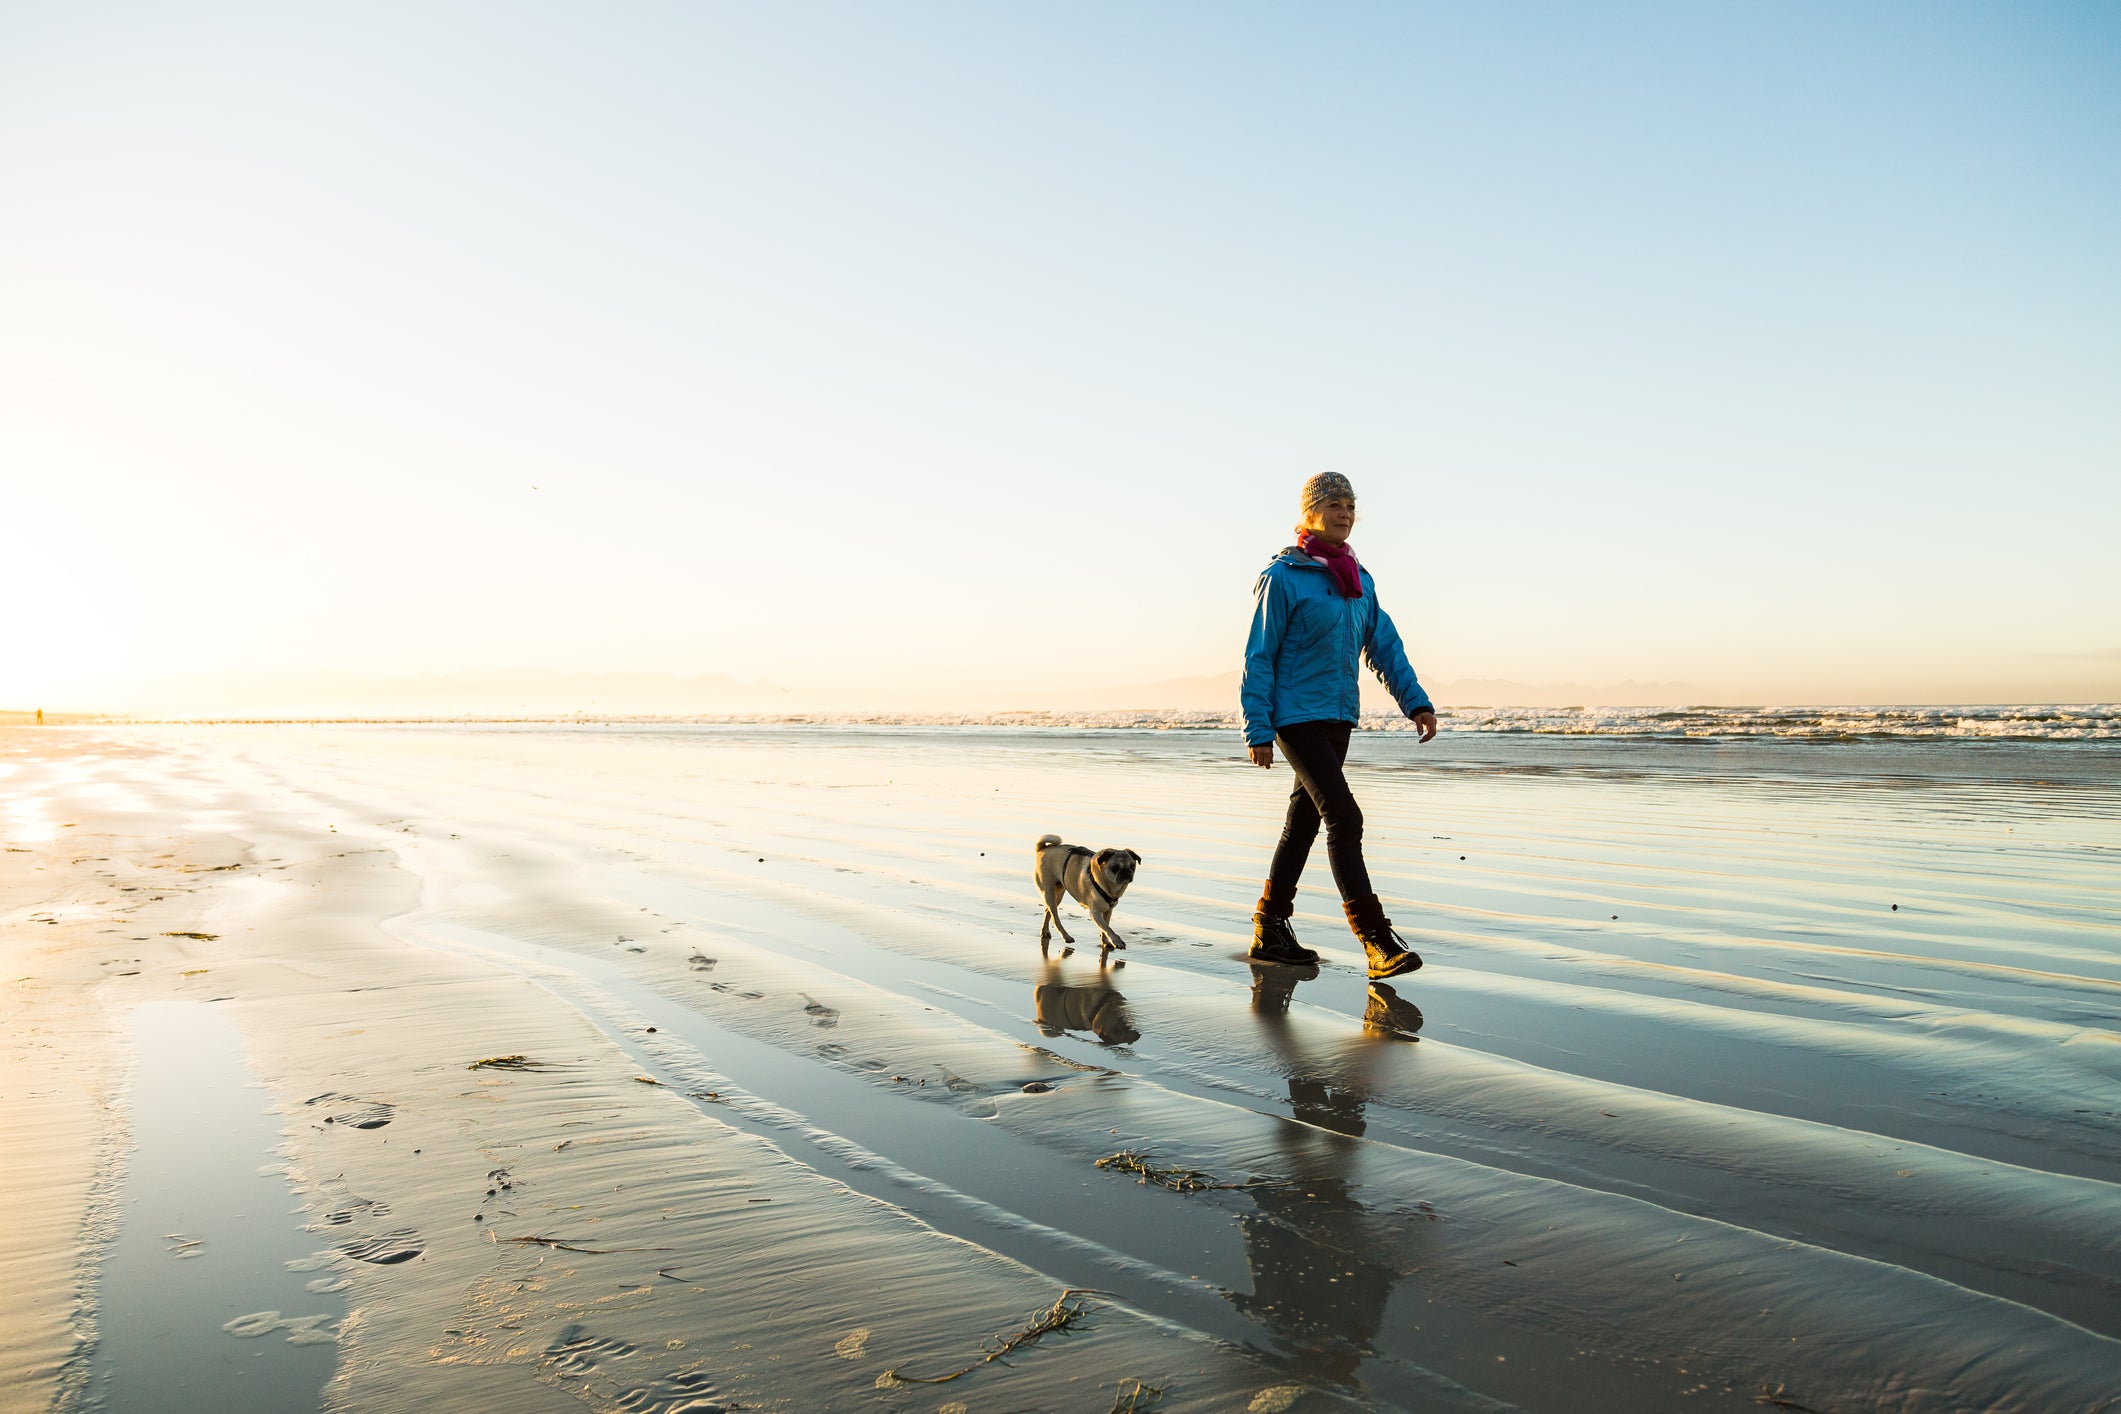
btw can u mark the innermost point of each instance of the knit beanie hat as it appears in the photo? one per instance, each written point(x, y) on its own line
point(1325, 487)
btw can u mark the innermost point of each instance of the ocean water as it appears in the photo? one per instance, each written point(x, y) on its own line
point(2084, 722)
point(2081, 722)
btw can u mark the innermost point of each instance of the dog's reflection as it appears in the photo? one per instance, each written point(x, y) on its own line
point(1307, 1244)
point(1096, 1007)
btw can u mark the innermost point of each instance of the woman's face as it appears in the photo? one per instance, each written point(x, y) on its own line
point(1333, 520)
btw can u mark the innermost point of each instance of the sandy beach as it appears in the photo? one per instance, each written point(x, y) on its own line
point(668, 1068)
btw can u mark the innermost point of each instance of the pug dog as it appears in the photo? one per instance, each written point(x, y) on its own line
point(1094, 878)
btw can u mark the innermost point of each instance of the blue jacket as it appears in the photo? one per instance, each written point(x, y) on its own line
point(1300, 659)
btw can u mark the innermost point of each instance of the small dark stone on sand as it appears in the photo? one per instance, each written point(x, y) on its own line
point(1461, 858)
point(478, 1217)
point(762, 859)
point(1896, 908)
point(651, 1030)
point(1616, 918)
point(1037, 1087)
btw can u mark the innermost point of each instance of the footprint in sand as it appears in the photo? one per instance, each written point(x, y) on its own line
point(574, 1351)
point(385, 1249)
point(689, 1393)
point(700, 962)
point(358, 1208)
point(818, 1012)
point(353, 1111)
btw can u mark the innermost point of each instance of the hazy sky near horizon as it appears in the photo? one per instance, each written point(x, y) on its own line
point(1771, 348)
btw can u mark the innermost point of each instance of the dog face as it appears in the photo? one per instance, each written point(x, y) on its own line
point(1110, 1023)
point(1118, 866)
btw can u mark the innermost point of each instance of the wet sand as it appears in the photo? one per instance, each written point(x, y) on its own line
point(1682, 1113)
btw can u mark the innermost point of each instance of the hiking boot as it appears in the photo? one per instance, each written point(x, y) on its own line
point(1390, 1014)
point(1273, 940)
point(1388, 953)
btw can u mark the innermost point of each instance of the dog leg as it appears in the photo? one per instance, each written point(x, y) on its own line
point(1052, 920)
point(1102, 917)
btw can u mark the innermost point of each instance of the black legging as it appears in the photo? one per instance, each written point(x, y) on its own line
point(1316, 752)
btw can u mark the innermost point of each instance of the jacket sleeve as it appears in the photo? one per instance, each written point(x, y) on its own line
point(1387, 657)
point(1270, 619)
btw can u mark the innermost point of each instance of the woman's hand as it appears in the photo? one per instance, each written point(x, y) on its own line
point(1264, 755)
point(1425, 722)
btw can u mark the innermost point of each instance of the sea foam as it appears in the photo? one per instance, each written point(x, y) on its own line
point(2077, 722)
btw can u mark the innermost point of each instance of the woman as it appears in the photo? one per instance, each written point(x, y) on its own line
point(1316, 609)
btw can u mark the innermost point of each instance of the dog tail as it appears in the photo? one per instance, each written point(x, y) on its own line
point(1046, 841)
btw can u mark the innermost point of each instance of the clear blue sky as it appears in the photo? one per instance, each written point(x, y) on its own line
point(1773, 348)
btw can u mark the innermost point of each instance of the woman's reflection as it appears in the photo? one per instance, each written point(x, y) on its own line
point(1312, 1283)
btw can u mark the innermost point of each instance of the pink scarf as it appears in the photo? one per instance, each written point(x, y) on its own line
point(1347, 572)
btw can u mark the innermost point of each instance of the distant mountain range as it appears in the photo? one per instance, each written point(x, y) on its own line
point(534, 692)
point(494, 693)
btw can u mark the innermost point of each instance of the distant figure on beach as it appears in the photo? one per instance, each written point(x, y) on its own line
point(1315, 612)
point(40, 716)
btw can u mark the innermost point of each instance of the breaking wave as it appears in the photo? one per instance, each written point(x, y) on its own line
point(2080, 722)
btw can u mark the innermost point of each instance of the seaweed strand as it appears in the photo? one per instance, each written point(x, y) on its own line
point(1066, 1310)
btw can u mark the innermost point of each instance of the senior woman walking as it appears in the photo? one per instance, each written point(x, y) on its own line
point(1315, 612)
